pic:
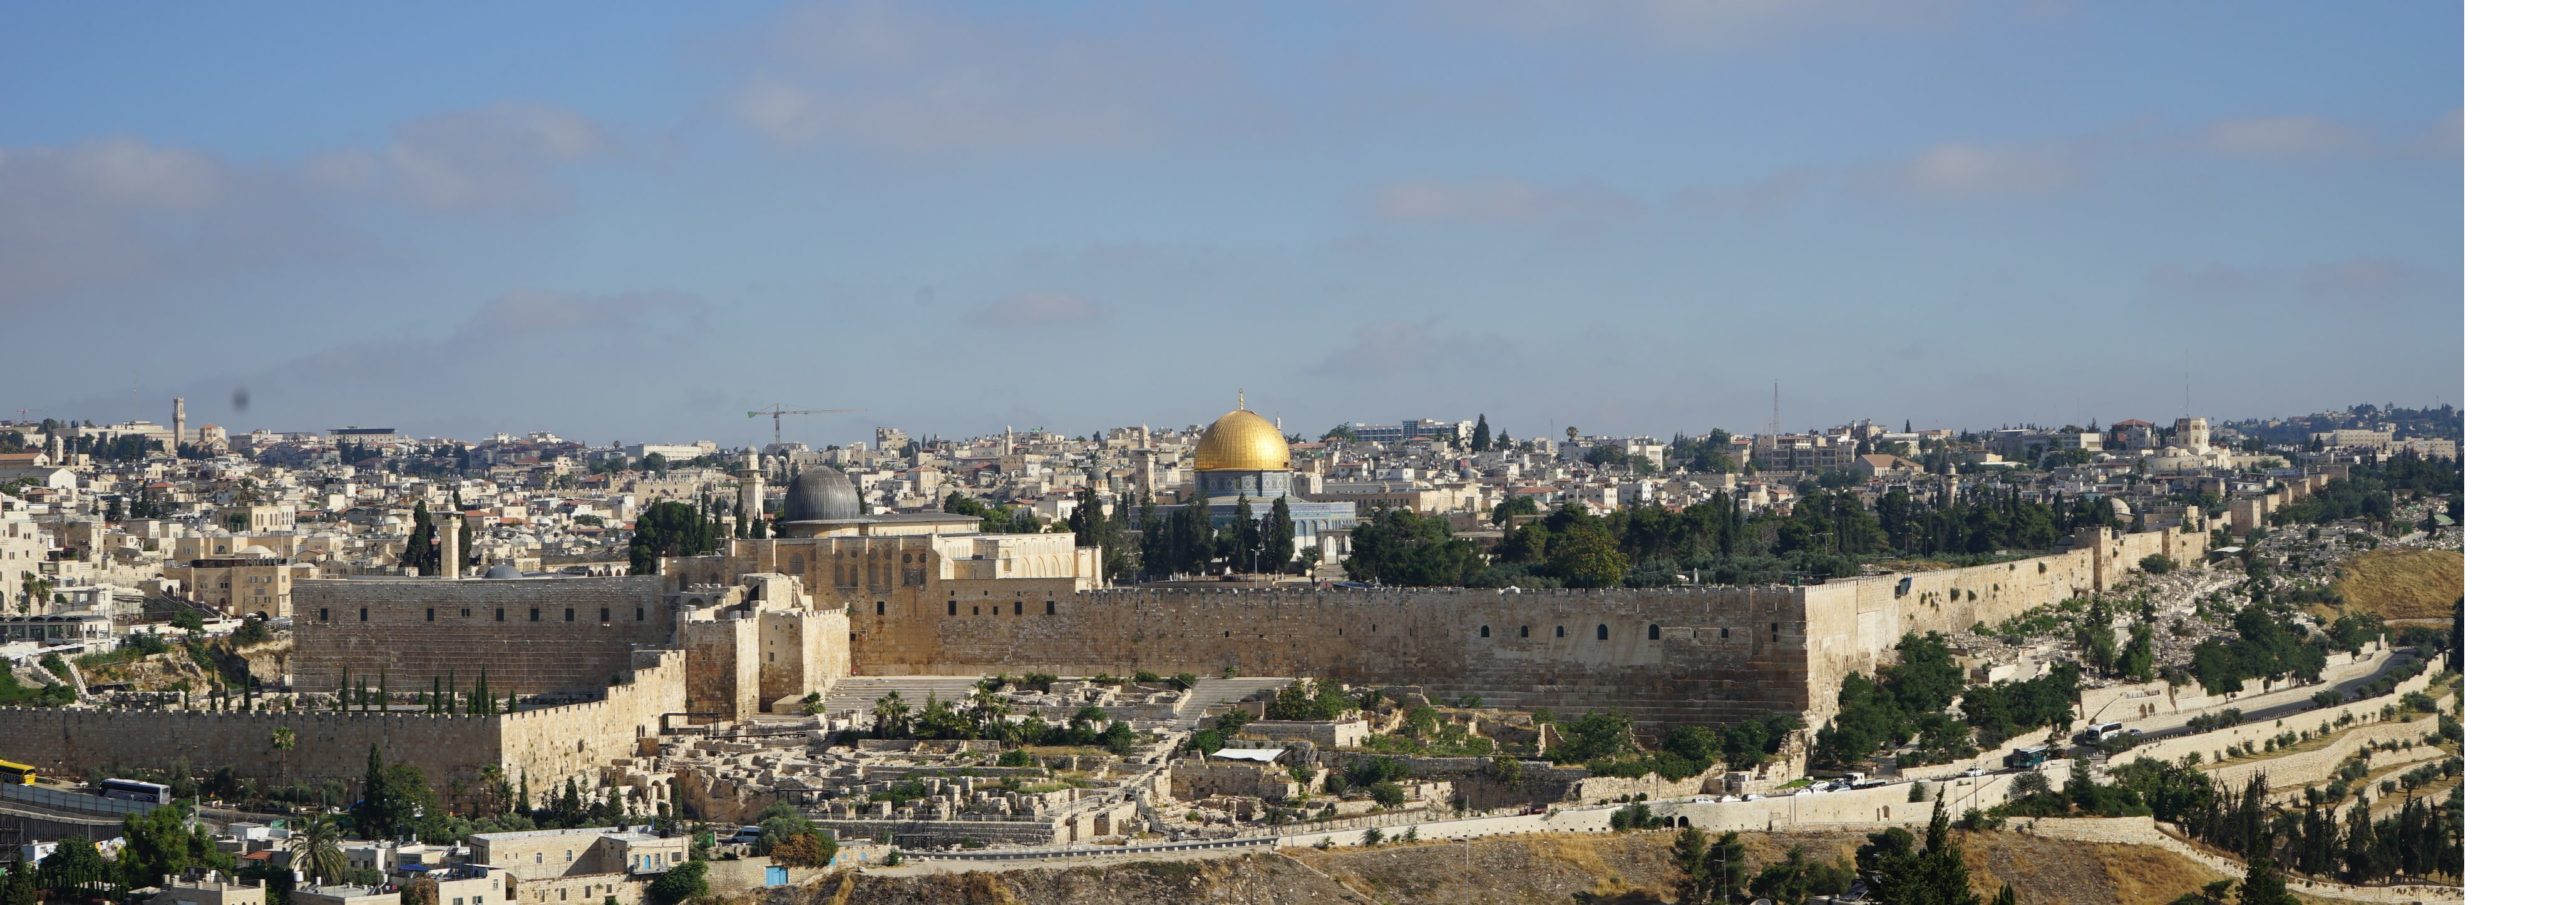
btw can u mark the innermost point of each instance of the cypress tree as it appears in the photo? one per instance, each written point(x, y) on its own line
point(420, 554)
point(1246, 534)
point(1483, 439)
point(1280, 536)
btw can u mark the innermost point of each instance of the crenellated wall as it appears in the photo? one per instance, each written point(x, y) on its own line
point(552, 744)
point(545, 746)
point(69, 742)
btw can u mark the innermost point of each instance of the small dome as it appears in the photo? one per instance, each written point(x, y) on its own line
point(821, 494)
point(255, 551)
point(1241, 441)
point(503, 570)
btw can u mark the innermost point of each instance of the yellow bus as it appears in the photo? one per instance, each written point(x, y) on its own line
point(17, 774)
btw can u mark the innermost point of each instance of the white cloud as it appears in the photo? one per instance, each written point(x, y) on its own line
point(2448, 134)
point(122, 212)
point(1958, 169)
point(1037, 310)
point(1691, 23)
point(1406, 347)
point(922, 79)
point(2209, 282)
point(498, 159)
point(2282, 136)
point(1500, 201)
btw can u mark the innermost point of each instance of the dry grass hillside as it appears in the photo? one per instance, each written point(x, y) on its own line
point(1627, 869)
point(2403, 584)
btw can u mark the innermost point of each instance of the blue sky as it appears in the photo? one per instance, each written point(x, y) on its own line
point(635, 221)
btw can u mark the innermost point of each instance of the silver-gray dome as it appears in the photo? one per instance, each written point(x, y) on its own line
point(503, 570)
point(821, 494)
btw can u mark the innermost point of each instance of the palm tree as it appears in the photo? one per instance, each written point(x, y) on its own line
point(889, 715)
point(316, 852)
point(493, 786)
point(987, 711)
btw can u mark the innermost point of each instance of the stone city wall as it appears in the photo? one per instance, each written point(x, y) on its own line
point(1679, 655)
point(549, 745)
point(723, 670)
point(533, 635)
point(546, 746)
point(1853, 624)
point(1672, 655)
point(69, 742)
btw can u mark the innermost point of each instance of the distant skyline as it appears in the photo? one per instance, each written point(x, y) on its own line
point(636, 222)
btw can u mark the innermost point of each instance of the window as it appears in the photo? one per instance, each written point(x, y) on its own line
point(1773, 631)
point(1484, 631)
point(1604, 633)
point(1524, 631)
point(1725, 633)
point(364, 614)
point(324, 614)
point(466, 612)
point(499, 614)
point(1559, 631)
point(880, 608)
point(533, 614)
point(568, 614)
point(1017, 608)
point(1053, 608)
point(639, 614)
point(431, 614)
point(1653, 633)
point(953, 610)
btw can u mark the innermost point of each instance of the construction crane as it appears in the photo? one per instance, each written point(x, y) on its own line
point(778, 411)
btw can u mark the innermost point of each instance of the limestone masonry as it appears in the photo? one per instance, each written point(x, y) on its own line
point(724, 638)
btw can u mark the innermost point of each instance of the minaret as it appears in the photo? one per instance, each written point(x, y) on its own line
point(751, 490)
point(448, 544)
point(177, 423)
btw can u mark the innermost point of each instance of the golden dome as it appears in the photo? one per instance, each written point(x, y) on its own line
point(1242, 441)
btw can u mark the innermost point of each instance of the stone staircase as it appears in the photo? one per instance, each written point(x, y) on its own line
point(857, 694)
point(1216, 694)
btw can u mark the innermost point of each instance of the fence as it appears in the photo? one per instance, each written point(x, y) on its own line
point(74, 802)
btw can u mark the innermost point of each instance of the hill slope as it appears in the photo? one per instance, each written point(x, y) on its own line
point(1618, 869)
point(2403, 584)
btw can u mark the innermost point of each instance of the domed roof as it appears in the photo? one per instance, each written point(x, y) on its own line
point(255, 551)
point(821, 494)
point(503, 570)
point(1242, 441)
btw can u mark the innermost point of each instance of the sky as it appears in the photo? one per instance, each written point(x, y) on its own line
point(637, 221)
